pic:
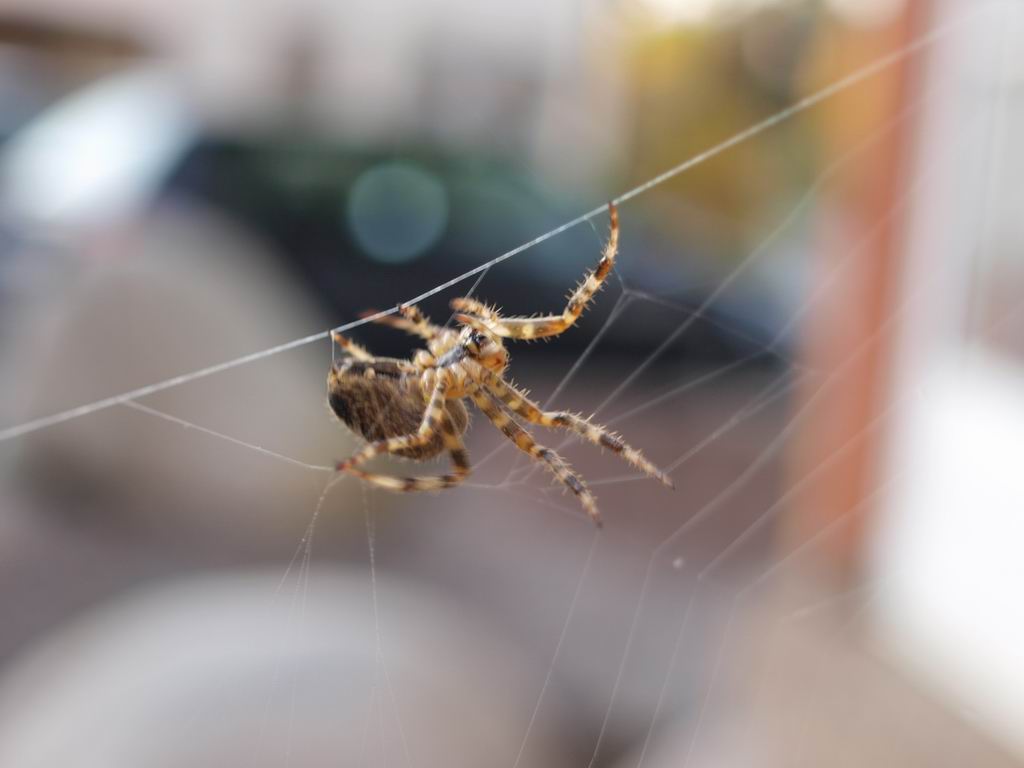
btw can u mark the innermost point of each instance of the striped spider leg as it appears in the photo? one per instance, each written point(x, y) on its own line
point(524, 441)
point(518, 402)
point(411, 320)
point(485, 318)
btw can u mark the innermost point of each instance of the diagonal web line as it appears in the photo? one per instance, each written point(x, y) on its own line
point(759, 251)
point(220, 435)
point(838, 86)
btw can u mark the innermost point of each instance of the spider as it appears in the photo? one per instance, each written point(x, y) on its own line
point(414, 408)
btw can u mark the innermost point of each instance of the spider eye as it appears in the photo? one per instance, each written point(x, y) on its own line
point(479, 339)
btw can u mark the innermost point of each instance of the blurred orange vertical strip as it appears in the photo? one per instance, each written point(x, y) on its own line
point(835, 457)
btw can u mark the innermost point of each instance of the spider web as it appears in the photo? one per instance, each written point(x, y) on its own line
point(691, 589)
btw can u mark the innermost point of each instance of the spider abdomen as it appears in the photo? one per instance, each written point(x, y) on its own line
point(386, 403)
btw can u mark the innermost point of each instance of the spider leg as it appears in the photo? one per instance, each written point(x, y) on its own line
point(519, 403)
point(350, 347)
point(552, 325)
point(460, 471)
point(412, 321)
point(525, 442)
point(474, 307)
point(433, 417)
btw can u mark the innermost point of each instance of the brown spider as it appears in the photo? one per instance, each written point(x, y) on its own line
point(413, 408)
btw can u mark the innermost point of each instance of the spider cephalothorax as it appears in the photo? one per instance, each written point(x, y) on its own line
point(414, 408)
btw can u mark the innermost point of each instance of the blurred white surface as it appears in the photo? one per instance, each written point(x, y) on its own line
point(248, 668)
point(950, 550)
point(99, 155)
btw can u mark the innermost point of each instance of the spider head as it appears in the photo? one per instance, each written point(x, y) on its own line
point(482, 345)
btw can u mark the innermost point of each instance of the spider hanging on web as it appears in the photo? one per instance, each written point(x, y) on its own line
point(414, 408)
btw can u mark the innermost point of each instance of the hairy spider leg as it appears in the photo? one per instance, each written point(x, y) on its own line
point(350, 347)
point(434, 419)
point(415, 323)
point(525, 442)
point(519, 403)
point(412, 321)
point(552, 325)
point(474, 307)
point(460, 463)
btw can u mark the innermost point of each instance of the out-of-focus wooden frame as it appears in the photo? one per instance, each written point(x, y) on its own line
point(850, 330)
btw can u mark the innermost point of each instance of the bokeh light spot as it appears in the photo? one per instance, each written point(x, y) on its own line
point(397, 211)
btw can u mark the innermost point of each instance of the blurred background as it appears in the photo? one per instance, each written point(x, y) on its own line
point(818, 330)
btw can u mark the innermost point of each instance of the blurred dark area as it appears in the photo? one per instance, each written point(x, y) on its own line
point(356, 229)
